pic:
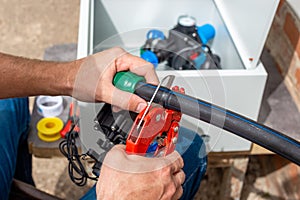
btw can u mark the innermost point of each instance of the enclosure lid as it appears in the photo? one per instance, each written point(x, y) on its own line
point(249, 23)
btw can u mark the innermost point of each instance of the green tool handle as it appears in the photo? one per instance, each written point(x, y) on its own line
point(127, 81)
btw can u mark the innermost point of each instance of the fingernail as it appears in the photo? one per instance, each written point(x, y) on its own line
point(140, 107)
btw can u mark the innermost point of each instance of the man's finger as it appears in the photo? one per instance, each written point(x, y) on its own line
point(178, 193)
point(148, 72)
point(127, 101)
point(176, 160)
point(138, 66)
point(179, 178)
point(120, 147)
point(116, 109)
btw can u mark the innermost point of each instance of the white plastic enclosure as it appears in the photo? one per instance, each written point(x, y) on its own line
point(241, 31)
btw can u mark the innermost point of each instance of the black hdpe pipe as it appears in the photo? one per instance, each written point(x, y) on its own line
point(222, 118)
point(215, 115)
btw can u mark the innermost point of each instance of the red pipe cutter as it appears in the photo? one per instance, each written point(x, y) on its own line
point(158, 132)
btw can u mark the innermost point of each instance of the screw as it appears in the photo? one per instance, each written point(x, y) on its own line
point(176, 129)
point(96, 128)
point(158, 117)
point(113, 128)
point(174, 140)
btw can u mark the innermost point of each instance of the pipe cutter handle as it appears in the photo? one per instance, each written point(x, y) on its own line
point(157, 135)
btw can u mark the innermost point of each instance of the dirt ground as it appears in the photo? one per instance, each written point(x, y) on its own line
point(27, 28)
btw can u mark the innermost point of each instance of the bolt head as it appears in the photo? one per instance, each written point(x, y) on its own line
point(174, 140)
point(176, 129)
point(158, 117)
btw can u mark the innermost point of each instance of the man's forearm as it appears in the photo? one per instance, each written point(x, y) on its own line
point(26, 77)
point(88, 79)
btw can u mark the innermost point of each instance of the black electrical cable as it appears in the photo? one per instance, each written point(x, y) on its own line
point(76, 169)
point(225, 119)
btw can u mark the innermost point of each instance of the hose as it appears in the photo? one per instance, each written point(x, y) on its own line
point(246, 128)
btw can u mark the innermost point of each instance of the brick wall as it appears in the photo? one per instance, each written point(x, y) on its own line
point(284, 45)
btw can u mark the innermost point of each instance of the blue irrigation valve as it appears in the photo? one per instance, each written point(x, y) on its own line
point(155, 34)
point(150, 57)
point(184, 48)
point(206, 33)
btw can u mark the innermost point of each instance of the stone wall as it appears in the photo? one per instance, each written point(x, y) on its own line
point(284, 45)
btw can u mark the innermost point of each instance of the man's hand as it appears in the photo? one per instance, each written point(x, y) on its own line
point(94, 78)
point(135, 177)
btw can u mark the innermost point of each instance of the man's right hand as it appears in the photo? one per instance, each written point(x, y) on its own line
point(126, 176)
